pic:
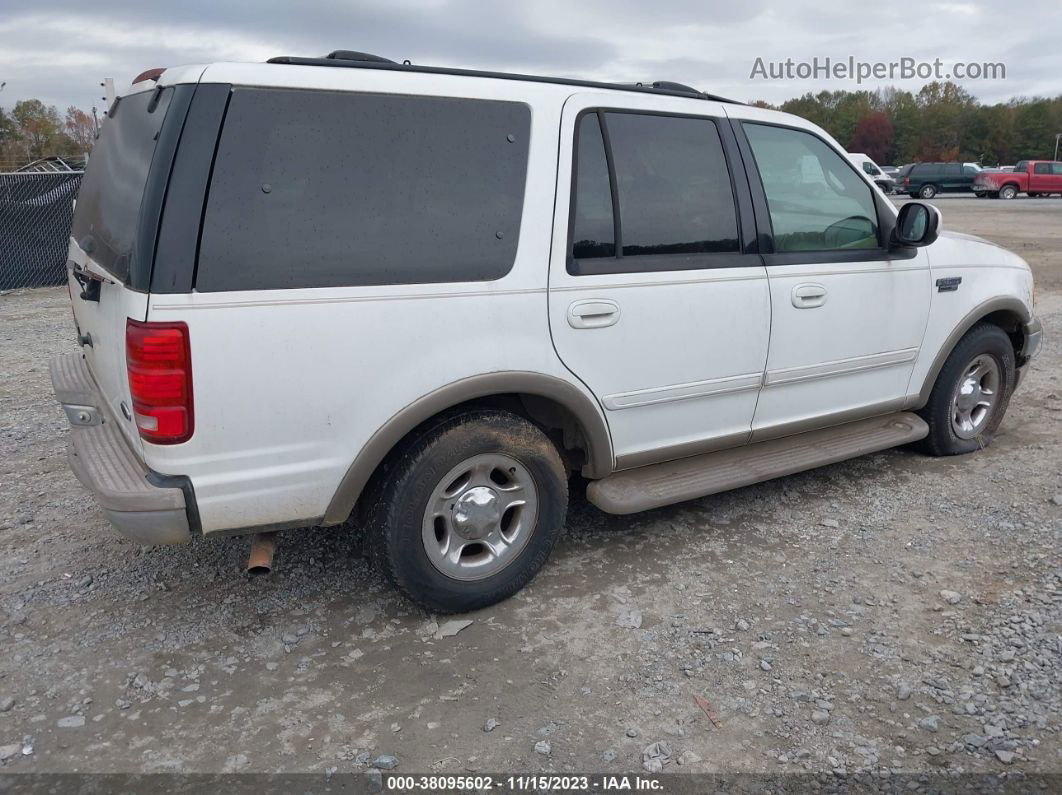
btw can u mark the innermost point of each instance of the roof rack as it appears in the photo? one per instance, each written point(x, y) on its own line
point(351, 59)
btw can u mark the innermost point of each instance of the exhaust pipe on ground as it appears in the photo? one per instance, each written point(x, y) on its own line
point(260, 559)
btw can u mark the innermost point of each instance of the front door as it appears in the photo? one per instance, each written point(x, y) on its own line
point(655, 299)
point(848, 315)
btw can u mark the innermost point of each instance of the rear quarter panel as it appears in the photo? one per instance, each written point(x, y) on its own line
point(290, 384)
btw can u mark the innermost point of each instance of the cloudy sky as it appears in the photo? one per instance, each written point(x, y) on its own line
point(59, 50)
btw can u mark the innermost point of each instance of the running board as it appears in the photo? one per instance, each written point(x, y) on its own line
point(656, 485)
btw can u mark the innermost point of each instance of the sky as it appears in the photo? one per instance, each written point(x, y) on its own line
point(60, 50)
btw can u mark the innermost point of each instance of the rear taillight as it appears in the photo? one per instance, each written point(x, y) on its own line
point(906, 180)
point(158, 357)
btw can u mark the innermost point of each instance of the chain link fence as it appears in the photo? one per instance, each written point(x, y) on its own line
point(35, 215)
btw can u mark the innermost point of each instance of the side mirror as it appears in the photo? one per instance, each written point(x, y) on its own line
point(916, 225)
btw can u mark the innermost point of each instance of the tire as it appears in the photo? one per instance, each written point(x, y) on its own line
point(980, 194)
point(927, 191)
point(1008, 192)
point(1033, 195)
point(478, 458)
point(985, 345)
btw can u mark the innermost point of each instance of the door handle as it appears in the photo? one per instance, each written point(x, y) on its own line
point(808, 296)
point(595, 313)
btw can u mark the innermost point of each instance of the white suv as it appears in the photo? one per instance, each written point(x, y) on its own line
point(325, 289)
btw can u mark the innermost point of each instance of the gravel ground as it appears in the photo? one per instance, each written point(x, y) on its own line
point(896, 613)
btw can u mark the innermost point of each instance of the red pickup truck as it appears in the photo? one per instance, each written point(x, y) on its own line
point(1034, 177)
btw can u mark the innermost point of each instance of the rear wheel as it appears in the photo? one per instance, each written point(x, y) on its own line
point(1008, 192)
point(971, 394)
point(469, 511)
point(928, 191)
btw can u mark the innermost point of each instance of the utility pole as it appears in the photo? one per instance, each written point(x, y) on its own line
point(1057, 137)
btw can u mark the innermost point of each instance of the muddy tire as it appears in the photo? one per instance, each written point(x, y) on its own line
point(469, 510)
point(971, 393)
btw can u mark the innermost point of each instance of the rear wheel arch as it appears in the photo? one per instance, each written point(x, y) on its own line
point(1008, 313)
point(568, 415)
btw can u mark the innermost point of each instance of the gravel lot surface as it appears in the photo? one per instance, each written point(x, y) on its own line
point(893, 613)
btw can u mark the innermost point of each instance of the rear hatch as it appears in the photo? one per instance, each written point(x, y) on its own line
point(112, 239)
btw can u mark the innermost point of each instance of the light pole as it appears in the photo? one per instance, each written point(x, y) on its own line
point(1057, 137)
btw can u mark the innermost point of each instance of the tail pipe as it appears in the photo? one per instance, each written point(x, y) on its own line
point(260, 560)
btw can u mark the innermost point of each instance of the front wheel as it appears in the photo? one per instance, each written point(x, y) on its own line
point(468, 512)
point(971, 394)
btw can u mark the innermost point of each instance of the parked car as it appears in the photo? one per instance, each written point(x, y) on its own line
point(1032, 177)
point(328, 290)
point(872, 170)
point(926, 180)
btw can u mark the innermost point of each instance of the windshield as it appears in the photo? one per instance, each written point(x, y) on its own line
point(108, 205)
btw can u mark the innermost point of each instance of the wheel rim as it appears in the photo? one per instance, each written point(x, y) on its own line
point(480, 516)
point(928, 192)
point(1007, 193)
point(976, 396)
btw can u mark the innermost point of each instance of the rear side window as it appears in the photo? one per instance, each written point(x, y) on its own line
point(660, 184)
point(923, 170)
point(952, 170)
point(1042, 168)
point(328, 189)
point(108, 204)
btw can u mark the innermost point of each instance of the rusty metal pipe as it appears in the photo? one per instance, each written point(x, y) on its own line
point(260, 559)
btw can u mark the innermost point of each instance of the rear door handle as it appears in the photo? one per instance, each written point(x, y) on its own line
point(808, 296)
point(595, 313)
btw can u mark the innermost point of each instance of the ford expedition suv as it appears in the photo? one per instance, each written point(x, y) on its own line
point(926, 180)
point(415, 300)
point(1032, 177)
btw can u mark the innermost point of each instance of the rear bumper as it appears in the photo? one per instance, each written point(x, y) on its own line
point(139, 503)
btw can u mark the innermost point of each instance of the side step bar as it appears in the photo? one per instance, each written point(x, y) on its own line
point(689, 478)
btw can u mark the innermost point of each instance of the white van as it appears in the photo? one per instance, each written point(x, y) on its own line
point(873, 170)
point(326, 290)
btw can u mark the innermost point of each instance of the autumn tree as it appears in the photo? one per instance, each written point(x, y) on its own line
point(873, 136)
point(79, 128)
point(39, 126)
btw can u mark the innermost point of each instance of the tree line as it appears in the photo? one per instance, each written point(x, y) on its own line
point(31, 130)
point(941, 121)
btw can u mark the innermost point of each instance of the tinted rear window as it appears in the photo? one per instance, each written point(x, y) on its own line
point(326, 189)
point(108, 205)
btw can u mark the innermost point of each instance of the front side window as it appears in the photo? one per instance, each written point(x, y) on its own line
point(649, 184)
point(816, 201)
point(869, 169)
point(331, 189)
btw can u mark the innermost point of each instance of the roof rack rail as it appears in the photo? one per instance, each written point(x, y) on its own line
point(354, 55)
point(358, 60)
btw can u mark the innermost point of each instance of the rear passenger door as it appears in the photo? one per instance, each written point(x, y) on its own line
point(657, 299)
point(848, 314)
